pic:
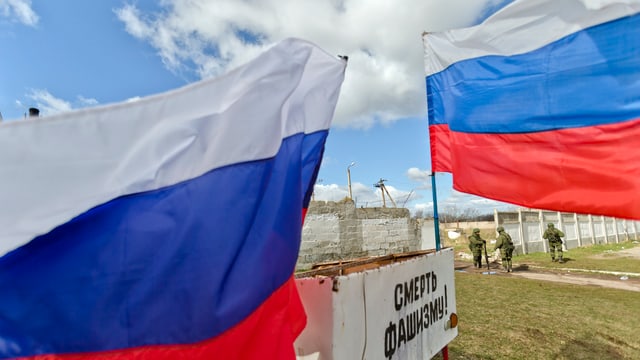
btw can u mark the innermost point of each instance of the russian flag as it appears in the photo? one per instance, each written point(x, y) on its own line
point(168, 227)
point(540, 105)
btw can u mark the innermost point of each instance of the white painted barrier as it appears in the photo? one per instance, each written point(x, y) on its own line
point(391, 307)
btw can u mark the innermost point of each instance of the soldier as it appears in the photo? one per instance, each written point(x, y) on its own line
point(505, 244)
point(476, 243)
point(555, 242)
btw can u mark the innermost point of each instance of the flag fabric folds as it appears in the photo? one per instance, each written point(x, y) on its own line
point(167, 227)
point(539, 105)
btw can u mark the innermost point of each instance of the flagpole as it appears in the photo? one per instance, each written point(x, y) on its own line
point(436, 222)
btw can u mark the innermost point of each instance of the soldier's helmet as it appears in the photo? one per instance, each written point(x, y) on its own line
point(500, 228)
point(476, 230)
point(549, 225)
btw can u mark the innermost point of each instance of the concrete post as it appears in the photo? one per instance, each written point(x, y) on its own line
point(541, 229)
point(521, 232)
point(561, 227)
point(575, 218)
point(626, 229)
point(592, 230)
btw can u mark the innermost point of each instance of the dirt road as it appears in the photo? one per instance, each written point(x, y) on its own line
point(609, 282)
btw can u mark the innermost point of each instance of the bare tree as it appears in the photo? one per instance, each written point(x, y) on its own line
point(453, 213)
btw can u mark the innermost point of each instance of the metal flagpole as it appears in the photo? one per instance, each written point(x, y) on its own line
point(436, 222)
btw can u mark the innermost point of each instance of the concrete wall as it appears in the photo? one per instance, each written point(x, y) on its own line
point(428, 234)
point(338, 230)
point(467, 226)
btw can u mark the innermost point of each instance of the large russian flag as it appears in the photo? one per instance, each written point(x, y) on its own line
point(169, 227)
point(540, 105)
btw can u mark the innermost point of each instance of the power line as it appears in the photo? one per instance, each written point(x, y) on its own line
point(407, 199)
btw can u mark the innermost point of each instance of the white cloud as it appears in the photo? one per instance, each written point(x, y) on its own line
point(133, 99)
point(331, 192)
point(365, 195)
point(418, 175)
point(47, 103)
point(385, 78)
point(20, 10)
point(459, 201)
point(135, 26)
point(87, 101)
point(426, 208)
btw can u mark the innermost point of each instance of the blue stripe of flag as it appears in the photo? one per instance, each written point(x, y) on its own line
point(170, 266)
point(588, 78)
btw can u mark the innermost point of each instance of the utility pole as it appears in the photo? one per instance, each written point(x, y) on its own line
point(353, 163)
point(383, 190)
point(380, 185)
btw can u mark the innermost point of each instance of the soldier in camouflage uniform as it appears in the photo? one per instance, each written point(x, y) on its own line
point(476, 243)
point(505, 244)
point(555, 242)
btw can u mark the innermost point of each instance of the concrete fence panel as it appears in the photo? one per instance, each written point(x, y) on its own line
point(579, 229)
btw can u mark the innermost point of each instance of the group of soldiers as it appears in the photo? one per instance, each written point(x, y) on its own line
point(504, 243)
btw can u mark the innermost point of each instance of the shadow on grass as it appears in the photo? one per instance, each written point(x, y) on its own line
point(564, 260)
point(523, 267)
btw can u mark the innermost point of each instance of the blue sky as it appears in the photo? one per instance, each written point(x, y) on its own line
point(64, 55)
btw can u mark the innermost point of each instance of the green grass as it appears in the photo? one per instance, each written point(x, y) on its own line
point(592, 257)
point(508, 317)
point(504, 317)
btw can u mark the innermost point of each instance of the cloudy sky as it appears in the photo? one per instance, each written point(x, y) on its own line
point(64, 55)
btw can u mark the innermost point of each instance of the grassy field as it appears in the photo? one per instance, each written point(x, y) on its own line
point(594, 257)
point(507, 317)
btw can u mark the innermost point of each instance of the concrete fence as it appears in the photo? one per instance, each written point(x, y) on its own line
point(526, 228)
